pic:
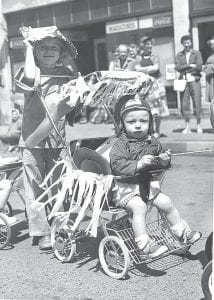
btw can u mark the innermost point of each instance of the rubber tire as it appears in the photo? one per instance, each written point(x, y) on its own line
point(125, 252)
point(209, 246)
point(206, 281)
point(8, 236)
point(63, 258)
point(8, 209)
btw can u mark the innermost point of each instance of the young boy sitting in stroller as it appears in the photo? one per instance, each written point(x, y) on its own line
point(135, 153)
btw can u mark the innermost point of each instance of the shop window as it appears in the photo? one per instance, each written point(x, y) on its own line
point(79, 11)
point(205, 31)
point(62, 14)
point(118, 7)
point(30, 18)
point(14, 22)
point(45, 15)
point(157, 4)
point(198, 4)
point(139, 5)
point(98, 9)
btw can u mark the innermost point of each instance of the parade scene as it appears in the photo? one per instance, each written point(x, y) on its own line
point(106, 149)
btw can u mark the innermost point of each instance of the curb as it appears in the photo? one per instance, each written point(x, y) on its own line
point(188, 146)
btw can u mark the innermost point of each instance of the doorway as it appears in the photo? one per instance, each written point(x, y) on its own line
point(100, 54)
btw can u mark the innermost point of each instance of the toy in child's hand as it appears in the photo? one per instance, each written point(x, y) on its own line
point(74, 92)
point(165, 155)
point(146, 160)
point(165, 158)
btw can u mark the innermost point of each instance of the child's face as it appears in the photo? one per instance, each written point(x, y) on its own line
point(47, 52)
point(136, 123)
point(15, 116)
point(187, 44)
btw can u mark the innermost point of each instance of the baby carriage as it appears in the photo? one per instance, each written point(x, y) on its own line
point(86, 187)
point(11, 181)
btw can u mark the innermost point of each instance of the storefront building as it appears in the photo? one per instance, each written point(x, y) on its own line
point(97, 26)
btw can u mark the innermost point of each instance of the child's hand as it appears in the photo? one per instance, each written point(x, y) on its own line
point(27, 43)
point(165, 157)
point(146, 160)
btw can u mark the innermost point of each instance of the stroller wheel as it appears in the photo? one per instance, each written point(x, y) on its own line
point(209, 246)
point(63, 244)
point(8, 210)
point(206, 281)
point(5, 232)
point(114, 257)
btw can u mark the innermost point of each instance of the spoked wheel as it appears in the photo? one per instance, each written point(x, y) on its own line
point(206, 281)
point(8, 210)
point(64, 246)
point(5, 232)
point(114, 257)
point(209, 246)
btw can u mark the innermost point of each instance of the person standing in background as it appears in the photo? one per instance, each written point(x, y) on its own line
point(133, 51)
point(209, 71)
point(148, 63)
point(189, 64)
point(115, 57)
point(123, 62)
point(12, 136)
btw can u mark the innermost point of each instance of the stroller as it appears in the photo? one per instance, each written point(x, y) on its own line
point(11, 179)
point(85, 190)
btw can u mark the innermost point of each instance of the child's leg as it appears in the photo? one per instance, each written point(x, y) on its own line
point(138, 210)
point(5, 188)
point(146, 246)
point(178, 226)
point(165, 204)
point(33, 175)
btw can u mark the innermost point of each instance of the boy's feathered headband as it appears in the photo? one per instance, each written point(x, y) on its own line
point(37, 34)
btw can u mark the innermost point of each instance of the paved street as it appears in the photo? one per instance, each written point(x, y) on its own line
point(28, 273)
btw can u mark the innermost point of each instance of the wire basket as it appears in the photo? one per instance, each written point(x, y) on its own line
point(158, 230)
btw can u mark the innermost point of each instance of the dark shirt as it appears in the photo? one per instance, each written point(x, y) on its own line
point(183, 67)
point(125, 155)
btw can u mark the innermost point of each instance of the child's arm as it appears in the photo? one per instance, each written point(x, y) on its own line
point(44, 128)
point(120, 161)
point(30, 66)
point(145, 161)
point(165, 158)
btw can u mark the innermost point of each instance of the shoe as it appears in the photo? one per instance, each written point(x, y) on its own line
point(193, 237)
point(156, 135)
point(153, 250)
point(35, 240)
point(45, 243)
point(186, 130)
point(10, 220)
point(83, 120)
point(199, 130)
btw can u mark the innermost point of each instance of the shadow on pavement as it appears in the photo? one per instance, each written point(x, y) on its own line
point(205, 130)
point(18, 232)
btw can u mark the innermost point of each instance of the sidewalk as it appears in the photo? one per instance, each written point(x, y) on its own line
point(170, 128)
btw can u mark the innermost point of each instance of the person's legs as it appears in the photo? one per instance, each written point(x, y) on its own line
point(138, 209)
point(157, 123)
point(147, 247)
point(5, 189)
point(195, 91)
point(185, 108)
point(178, 226)
point(33, 175)
point(52, 155)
